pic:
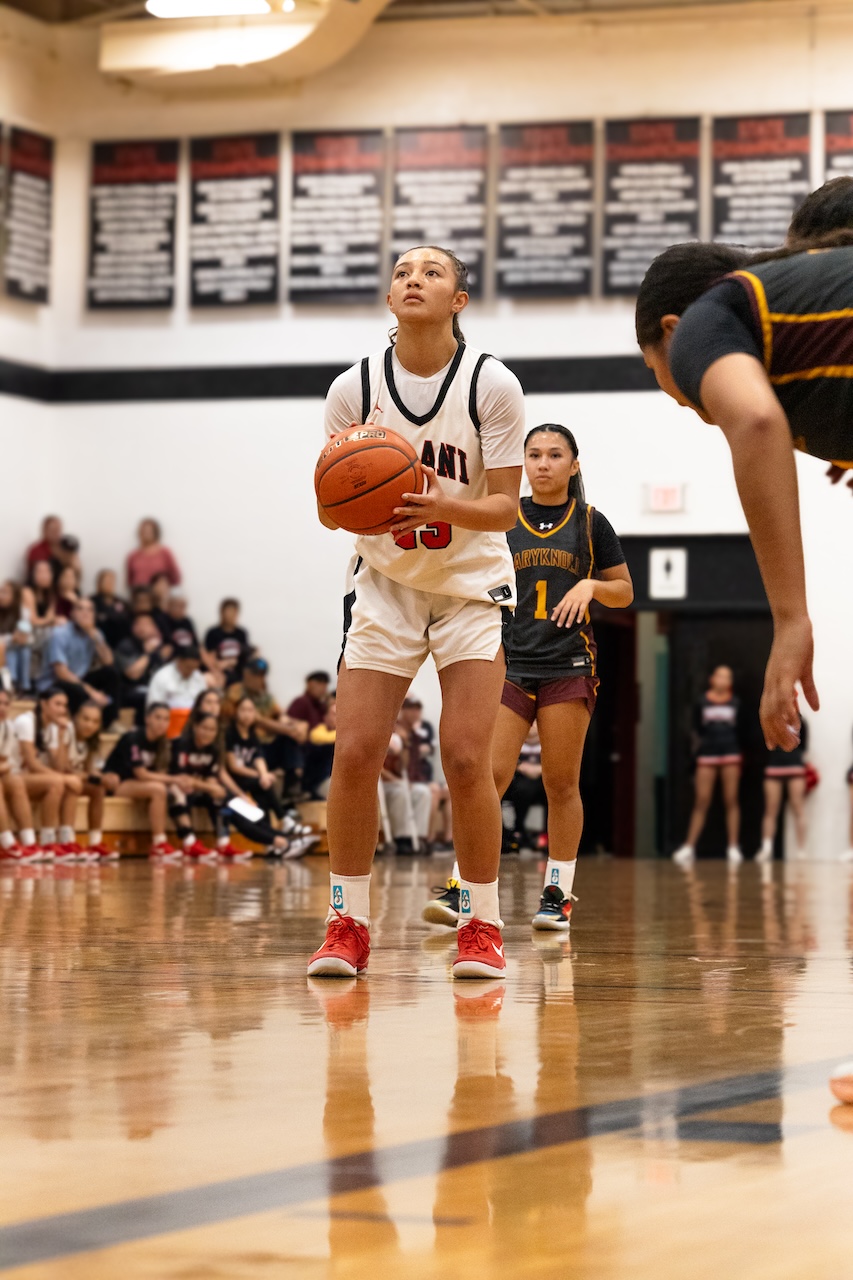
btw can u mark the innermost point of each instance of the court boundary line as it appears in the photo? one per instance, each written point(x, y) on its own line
point(207, 1204)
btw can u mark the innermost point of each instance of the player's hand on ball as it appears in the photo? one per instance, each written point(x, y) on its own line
point(574, 604)
point(423, 508)
point(790, 661)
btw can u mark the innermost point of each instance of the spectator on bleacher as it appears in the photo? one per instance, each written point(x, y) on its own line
point(142, 601)
point(70, 659)
point(67, 592)
point(48, 544)
point(203, 782)
point(315, 758)
point(526, 790)
point(137, 768)
point(406, 802)
point(112, 614)
point(244, 759)
point(16, 637)
point(14, 792)
point(151, 558)
point(83, 764)
point(67, 555)
point(320, 754)
point(139, 657)
point(160, 588)
point(181, 628)
point(226, 646)
point(39, 598)
point(420, 770)
point(178, 684)
point(279, 734)
point(44, 737)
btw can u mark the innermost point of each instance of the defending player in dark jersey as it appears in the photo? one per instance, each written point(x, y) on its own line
point(565, 555)
point(718, 753)
point(767, 355)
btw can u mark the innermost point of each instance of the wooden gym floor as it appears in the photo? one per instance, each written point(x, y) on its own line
point(177, 1101)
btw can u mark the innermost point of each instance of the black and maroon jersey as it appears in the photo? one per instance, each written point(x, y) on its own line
point(134, 751)
point(198, 762)
point(553, 548)
point(795, 315)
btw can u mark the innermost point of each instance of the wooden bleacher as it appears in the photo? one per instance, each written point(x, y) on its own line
point(126, 821)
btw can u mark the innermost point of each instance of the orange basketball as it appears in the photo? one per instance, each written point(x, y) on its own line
point(361, 476)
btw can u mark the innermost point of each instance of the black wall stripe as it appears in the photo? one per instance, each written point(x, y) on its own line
point(290, 382)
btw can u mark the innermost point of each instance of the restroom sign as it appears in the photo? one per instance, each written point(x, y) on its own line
point(668, 573)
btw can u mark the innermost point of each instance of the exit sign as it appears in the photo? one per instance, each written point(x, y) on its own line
point(664, 499)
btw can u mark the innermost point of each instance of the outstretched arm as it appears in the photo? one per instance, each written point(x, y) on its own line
point(739, 398)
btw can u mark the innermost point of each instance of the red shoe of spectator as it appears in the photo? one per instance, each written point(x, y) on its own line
point(17, 853)
point(74, 852)
point(58, 853)
point(102, 853)
point(228, 851)
point(165, 851)
point(198, 850)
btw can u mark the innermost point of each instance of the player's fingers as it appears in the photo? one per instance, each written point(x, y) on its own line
point(810, 690)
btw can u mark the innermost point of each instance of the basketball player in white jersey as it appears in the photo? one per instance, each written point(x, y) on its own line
point(437, 584)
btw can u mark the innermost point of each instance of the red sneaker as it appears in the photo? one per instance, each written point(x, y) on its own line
point(229, 851)
point(345, 952)
point(102, 853)
point(197, 850)
point(71, 852)
point(17, 853)
point(481, 951)
point(165, 851)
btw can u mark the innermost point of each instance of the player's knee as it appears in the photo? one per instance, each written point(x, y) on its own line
point(463, 767)
point(353, 757)
point(561, 790)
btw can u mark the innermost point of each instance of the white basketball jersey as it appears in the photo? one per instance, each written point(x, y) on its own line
point(439, 558)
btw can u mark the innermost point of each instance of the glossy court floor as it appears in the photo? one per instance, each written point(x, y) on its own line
point(177, 1100)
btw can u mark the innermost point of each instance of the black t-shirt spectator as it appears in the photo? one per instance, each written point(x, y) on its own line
point(181, 634)
point(112, 617)
point(228, 646)
point(246, 749)
point(133, 751)
point(130, 650)
point(198, 762)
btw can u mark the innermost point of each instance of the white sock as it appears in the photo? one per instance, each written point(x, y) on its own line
point(66, 835)
point(479, 902)
point(158, 840)
point(562, 874)
point(28, 836)
point(350, 895)
point(454, 875)
point(47, 835)
point(221, 842)
point(6, 839)
point(766, 846)
point(188, 840)
point(96, 837)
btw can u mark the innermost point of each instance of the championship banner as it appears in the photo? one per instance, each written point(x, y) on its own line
point(761, 177)
point(29, 201)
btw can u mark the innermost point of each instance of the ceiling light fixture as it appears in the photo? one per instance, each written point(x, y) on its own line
point(206, 8)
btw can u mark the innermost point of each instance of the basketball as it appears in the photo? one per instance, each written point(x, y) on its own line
point(361, 476)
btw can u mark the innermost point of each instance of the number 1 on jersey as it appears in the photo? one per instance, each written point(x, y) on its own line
point(541, 601)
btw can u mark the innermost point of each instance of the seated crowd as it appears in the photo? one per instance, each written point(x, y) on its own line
point(209, 736)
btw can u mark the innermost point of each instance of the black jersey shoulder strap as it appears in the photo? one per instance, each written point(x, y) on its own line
point(472, 394)
point(365, 389)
